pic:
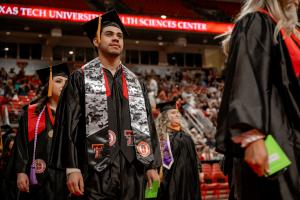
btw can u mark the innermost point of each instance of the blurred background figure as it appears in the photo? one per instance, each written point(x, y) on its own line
point(263, 57)
point(181, 167)
point(35, 178)
point(8, 182)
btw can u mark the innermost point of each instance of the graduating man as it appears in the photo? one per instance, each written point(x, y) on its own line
point(262, 97)
point(106, 136)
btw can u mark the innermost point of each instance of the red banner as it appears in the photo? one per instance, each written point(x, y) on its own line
point(128, 20)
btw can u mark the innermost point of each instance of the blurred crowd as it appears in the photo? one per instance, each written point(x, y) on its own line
point(198, 95)
point(14, 84)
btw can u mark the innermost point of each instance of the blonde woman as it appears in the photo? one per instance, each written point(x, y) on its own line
point(261, 98)
point(180, 171)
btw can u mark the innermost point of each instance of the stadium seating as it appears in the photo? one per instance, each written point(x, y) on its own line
point(215, 186)
point(156, 7)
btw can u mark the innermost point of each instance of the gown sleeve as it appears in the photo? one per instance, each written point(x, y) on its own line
point(21, 154)
point(154, 138)
point(245, 101)
point(68, 150)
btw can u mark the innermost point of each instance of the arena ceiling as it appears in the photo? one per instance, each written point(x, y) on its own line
point(208, 10)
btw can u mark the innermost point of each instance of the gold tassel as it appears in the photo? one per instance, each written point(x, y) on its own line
point(99, 29)
point(50, 83)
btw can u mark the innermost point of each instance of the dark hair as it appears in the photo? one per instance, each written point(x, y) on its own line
point(42, 99)
point(10, 137)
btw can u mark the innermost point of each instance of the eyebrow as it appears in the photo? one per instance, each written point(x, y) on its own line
point(109, 31)
point(58, 78)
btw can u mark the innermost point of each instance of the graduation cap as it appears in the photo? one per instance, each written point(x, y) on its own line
point(166, 106)
point(94, 27)
point(46, 74)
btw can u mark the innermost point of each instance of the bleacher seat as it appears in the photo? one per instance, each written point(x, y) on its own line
point(155, 7)
point(215, 186)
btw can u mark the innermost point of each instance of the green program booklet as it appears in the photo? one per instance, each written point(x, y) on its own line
point(277, 158)
point(152, 193)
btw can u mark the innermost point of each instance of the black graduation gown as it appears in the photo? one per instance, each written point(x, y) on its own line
point(51, 183)
point(262, 92)
point(8, 186)
point(181, 182)
point(70, 144)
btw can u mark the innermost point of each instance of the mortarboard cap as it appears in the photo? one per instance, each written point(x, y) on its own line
point(166, 106)
point(94, 27)
point(60, 69)
point(46, 74)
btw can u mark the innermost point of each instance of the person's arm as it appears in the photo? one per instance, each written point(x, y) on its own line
point(245, 103)
point(65, 152)
point(21, 155)
point(245, 138)
point(154, 137)
point(152, 173)
point(75, 181)
point(68, 149)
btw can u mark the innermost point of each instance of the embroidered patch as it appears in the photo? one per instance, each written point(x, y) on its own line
point(111, 137)
point(40, 166)
point(97, 149)
point(129, 137)
point(143, 149)
point(50, 134)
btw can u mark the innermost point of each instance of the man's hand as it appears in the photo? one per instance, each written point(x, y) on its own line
point(75, 183)
point(256, 157)
point(23, 182)
point(152, 175)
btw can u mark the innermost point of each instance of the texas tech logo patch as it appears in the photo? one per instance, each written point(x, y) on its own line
point(143, 149)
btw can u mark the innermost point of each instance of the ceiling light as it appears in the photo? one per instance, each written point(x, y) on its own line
point(56, 32)
point(163, 16)
point(6, 49)
point(71, 52)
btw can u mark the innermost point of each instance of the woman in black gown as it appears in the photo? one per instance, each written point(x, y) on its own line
point(180, 173)
point(35, 180)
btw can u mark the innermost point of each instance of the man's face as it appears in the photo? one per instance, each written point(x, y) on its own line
point(111, 41)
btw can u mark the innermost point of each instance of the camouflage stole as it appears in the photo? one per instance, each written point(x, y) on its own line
point(97, 116)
